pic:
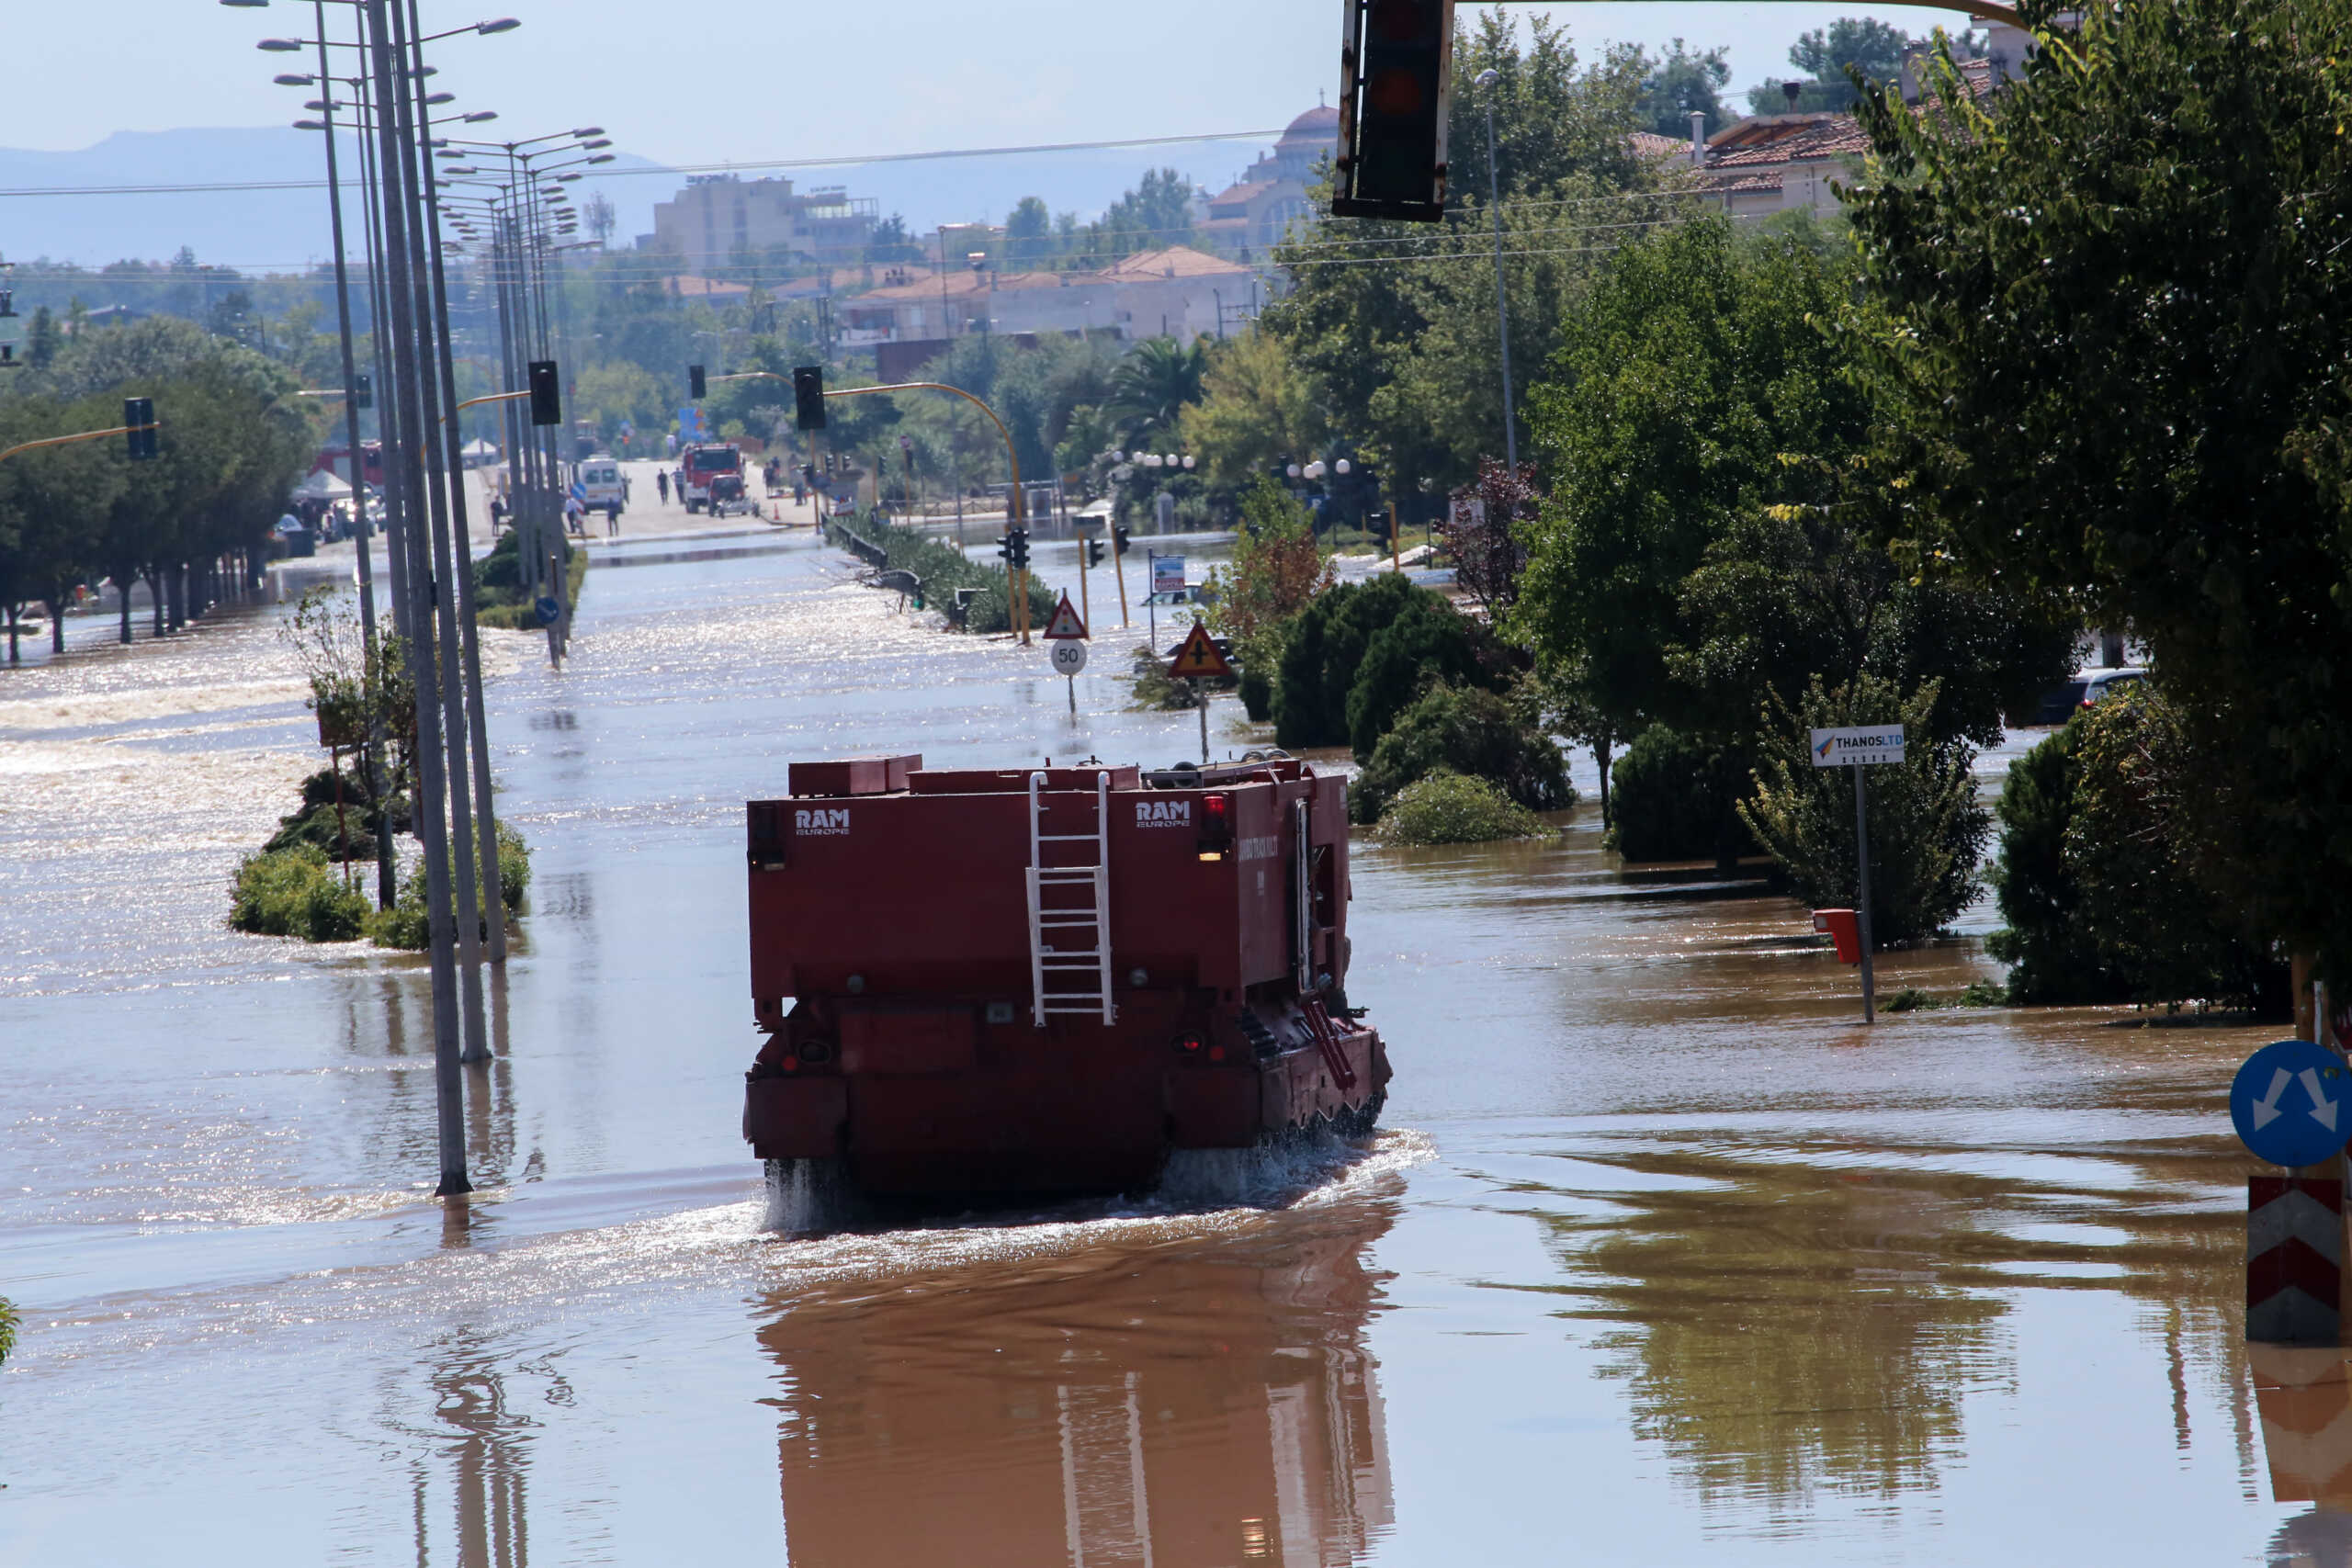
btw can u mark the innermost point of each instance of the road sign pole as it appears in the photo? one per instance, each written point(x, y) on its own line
point(1862, 887)
point(1085, 604)
point(1151, 599)
point(1119, 571)
point(1073, 695)
point(1201, 700)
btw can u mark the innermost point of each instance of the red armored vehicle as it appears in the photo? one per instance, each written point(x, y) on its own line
point(1046, 980)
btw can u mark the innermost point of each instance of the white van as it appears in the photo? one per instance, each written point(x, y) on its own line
point(598, 482)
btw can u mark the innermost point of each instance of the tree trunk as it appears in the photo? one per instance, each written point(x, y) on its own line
point(1601, 755)
point(155, 580)
point(12, 635)
point(56, 608)
point(122, 603)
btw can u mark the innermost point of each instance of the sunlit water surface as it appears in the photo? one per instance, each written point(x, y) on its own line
point(1661, 1257)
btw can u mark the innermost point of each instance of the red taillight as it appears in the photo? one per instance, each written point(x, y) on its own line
point(1188, 1045)
point(1216, 826)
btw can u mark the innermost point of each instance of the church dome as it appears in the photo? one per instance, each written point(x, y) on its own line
point(1317, 126)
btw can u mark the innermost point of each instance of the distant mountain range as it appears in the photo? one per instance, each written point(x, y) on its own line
point(285, 229)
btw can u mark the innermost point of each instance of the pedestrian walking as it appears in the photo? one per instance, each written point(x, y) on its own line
point(661, 482)
point(612, 520)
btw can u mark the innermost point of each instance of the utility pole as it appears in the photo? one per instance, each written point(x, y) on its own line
point(372, 757)
point(407, 412)
point(1487, 79)
point(410, 114)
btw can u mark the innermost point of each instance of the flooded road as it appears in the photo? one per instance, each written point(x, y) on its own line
point(1659, 1257)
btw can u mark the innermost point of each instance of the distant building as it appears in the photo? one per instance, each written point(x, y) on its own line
point(1175, 292)
point(719, 217)
point(711, 291)
point(1783, 163)
point(1252, 213)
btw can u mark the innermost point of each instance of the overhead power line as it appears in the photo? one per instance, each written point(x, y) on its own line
point(216, 186)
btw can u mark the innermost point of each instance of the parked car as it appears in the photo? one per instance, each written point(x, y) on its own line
point(2100, 684)
point(2067, 698)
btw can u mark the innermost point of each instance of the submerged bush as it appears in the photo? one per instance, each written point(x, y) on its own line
point(1155, 690)
point(2096, 886)
point(8, 1323)
point(1674, 796)
point(513, 867)
point(321, 829)
point(943, 568)
point(1469, 731)
point(407, 924)
point(292, 892)
point(1448, 808)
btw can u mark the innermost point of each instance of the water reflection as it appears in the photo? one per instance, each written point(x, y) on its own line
point(1189, 1402)
point(470, 1490)
point(2305, 1402)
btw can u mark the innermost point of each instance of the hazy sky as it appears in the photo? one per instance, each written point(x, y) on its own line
point(723, 80)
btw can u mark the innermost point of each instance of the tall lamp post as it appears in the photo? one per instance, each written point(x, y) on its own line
point(1486, 79)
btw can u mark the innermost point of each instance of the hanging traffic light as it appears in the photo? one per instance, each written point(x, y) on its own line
point(139, 428)
point(809, 397)
point(697, 384)
point(363, 392)
point(1396, 80)
point(1020, 537)
point(1094, 552)
point(1119, 532)
point(547, 396)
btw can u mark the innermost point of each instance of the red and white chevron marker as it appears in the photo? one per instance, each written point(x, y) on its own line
point(2294, 1259)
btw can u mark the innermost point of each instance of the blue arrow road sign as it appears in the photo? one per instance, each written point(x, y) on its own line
point(550, 611)
point(2287, 1103)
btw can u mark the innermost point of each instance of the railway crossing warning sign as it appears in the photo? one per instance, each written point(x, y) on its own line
point(1197, 658)
point(1065, 626)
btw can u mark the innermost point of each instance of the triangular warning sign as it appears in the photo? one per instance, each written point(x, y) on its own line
point(1198, 659)
point(1065, 626)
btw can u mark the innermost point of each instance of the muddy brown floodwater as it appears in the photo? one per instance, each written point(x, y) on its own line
point(1661, 1257)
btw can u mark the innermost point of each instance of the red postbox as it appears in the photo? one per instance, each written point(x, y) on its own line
point(1843, 930)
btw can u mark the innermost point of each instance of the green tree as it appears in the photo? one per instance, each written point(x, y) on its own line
point(1928, 828)
point(1870, 48)
point(1395, 321)
point(1468, 730)
point(1029, 233)
point(1157, 213)
point(42, 338)
point(1256, 404)
point(2122, 380)
point(1361, 653)
point(1154, 383)
point(1714, 532)
point(54, 506)
point(1680, 81)
point(891, 242)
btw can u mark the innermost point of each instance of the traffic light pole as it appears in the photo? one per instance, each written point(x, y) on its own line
point(1119, 570)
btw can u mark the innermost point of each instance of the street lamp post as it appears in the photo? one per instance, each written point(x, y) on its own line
point(1486, 79)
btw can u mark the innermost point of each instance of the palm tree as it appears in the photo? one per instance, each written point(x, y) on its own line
point(1153, 382)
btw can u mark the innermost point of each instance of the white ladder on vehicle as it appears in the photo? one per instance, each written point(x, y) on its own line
point(1069, 929)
